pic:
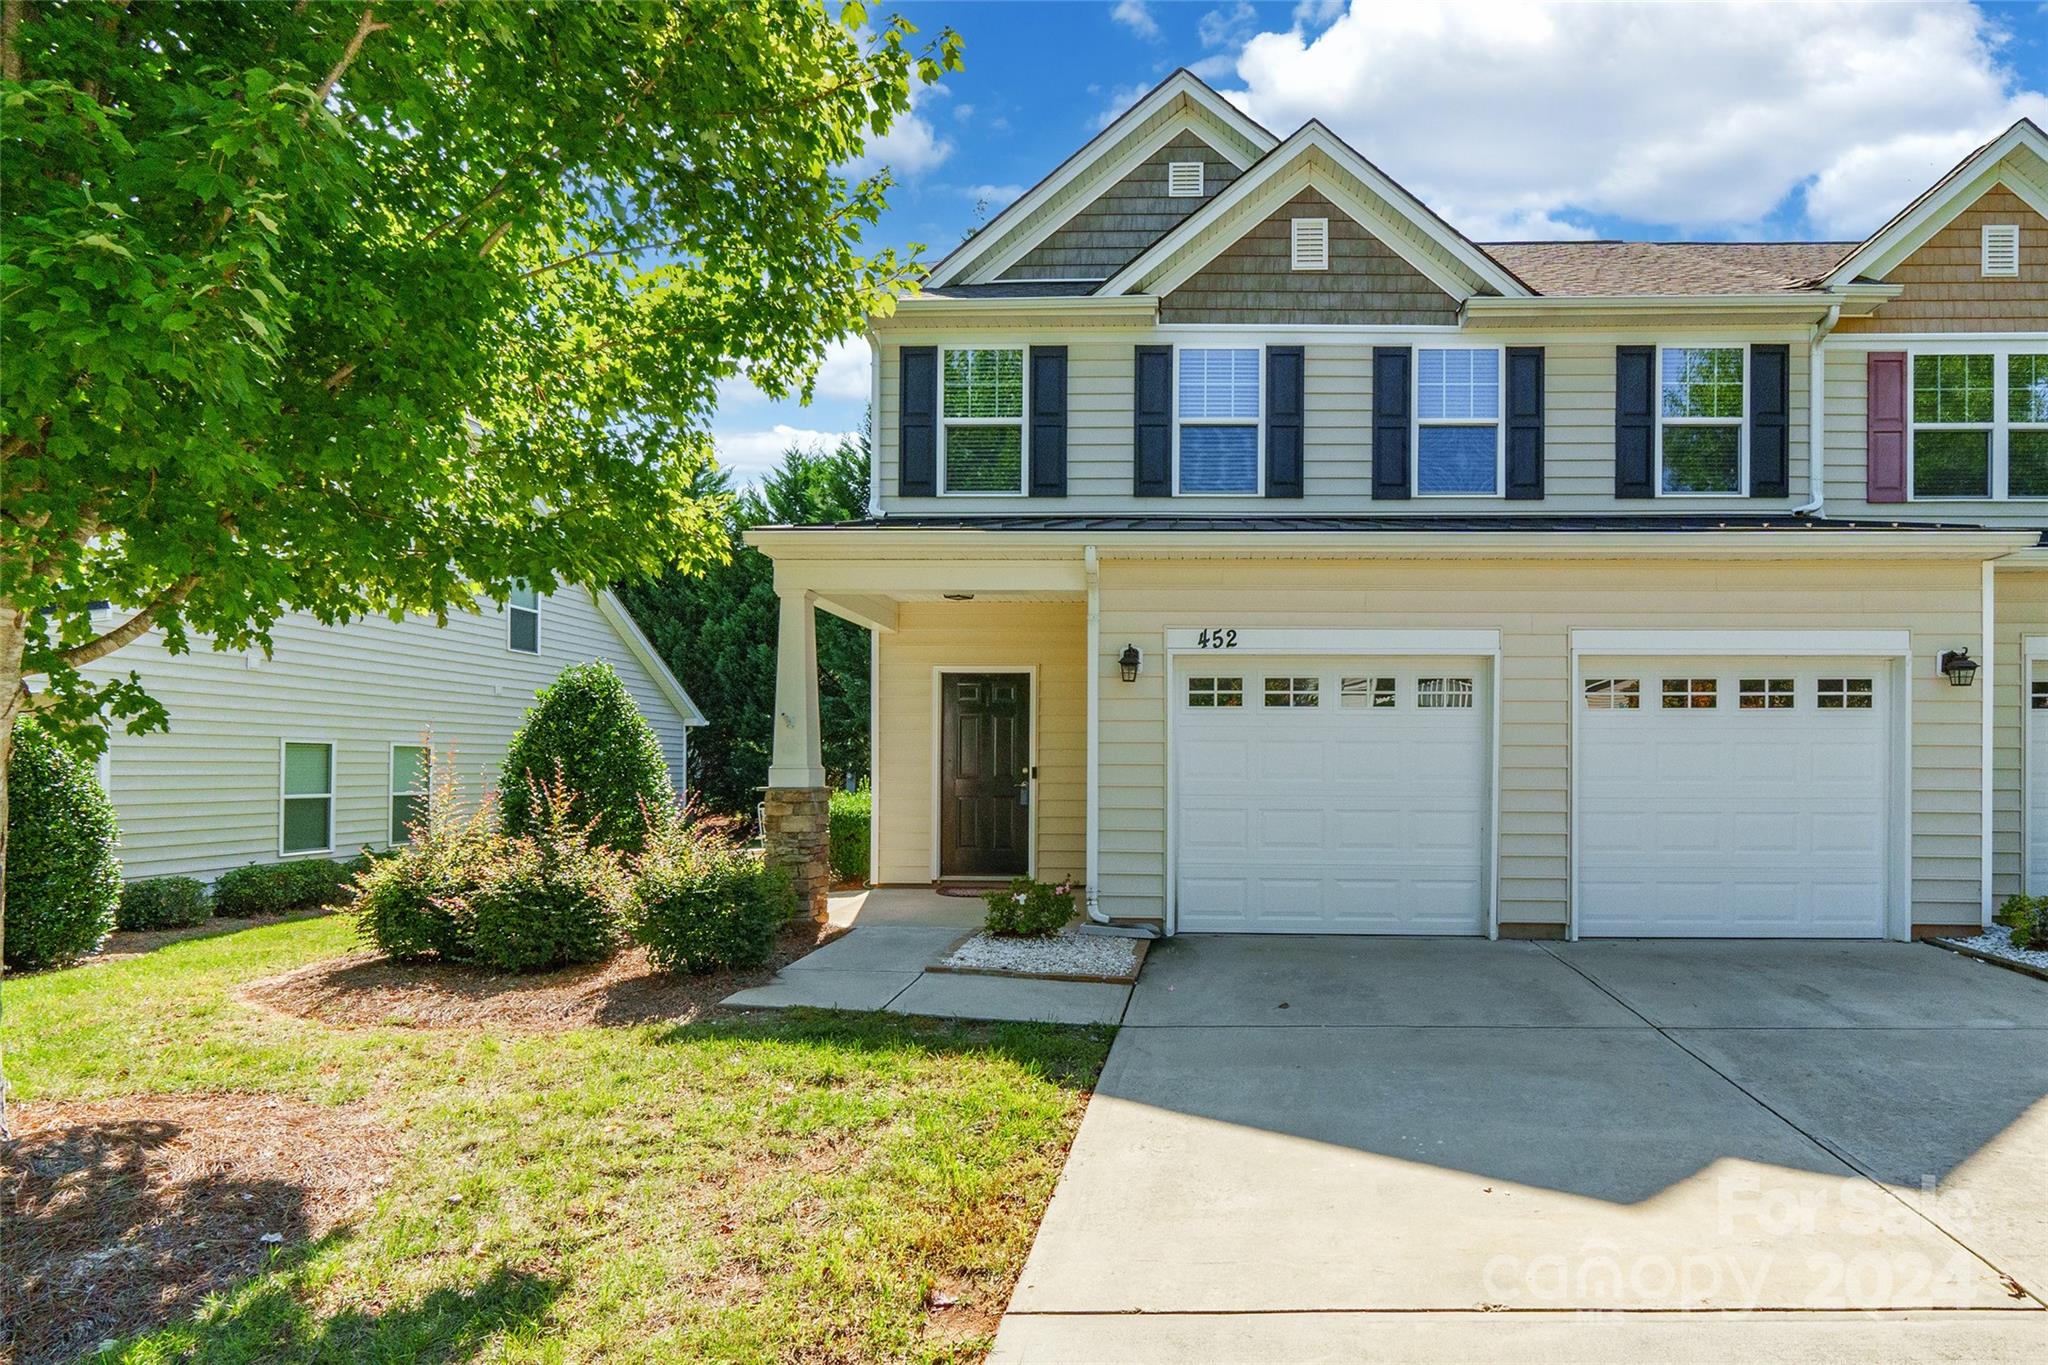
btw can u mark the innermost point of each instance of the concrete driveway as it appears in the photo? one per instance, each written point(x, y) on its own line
point(1321, 1148)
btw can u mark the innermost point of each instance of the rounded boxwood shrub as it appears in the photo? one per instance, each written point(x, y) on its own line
point(550, 898)
point(702, 902)
point(275, 888)
point(163, 903)
point(585, 733)
point(63, 883)
point(852, 813)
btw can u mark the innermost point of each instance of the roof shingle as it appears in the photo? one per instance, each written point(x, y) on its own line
point(1677, 268)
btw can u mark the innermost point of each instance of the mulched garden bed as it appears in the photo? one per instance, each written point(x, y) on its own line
point(1995, 946)
point(123, 1214)
point(365, 990)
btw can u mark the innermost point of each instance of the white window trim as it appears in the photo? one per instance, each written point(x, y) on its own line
point(1984, 270)
point(1416, 422)
point(333, 757)
point(1174, 168)
point(1258, 423)
point(1022, 421)
point(1294, 227)
point(391, 780)
point(2001, 425)
point(510, 614)
point(1740, 422)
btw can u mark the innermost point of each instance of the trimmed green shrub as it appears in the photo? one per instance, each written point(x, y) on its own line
point(2027, 917)
point(702, 902)
point(63, 882)
point(275, 888)
point(852, 813)
point(163, 903)
point(550, 898)
point(585, 734)
point(414, 903)
point(1028, 909)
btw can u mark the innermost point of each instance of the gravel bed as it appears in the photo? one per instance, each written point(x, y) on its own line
point(1997, 941)
point(1064, 954)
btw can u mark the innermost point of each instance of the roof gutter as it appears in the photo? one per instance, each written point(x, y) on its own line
point(1138, 307)
point(1483, 309)
point(1816, 415)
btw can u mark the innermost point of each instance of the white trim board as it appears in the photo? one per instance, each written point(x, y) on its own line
point(1387, 642)
point(1789, 643)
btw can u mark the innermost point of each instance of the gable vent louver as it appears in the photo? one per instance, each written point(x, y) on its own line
point(2001, 249)
point(1311, 244)
point(1184, 180)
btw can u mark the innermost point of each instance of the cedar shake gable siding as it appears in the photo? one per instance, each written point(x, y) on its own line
point(1109, 233)
point(1253, 281)
point(1945, 288)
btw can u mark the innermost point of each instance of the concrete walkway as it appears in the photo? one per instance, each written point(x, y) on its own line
point(1308, 1149)
point(880, 965)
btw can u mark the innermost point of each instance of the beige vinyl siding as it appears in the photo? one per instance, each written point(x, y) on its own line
point(1944, 283)
point(1052, 636)
point(203, 796)
point(2021, 601)
point(1535, 605)
point(1578, 432)
point(1847, 416)
point(1107, 234)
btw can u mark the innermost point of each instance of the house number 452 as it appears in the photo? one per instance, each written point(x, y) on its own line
point(1216, 639)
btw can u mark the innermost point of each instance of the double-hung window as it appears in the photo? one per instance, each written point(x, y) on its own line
point(1457, 421)
point(1699, 420)
point(412, 774)
point(981, 406)
point(1980, 424)
point(522, 619)
point(1218, 407)
point(305, 817)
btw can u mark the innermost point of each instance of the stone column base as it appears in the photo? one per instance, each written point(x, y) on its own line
point(796, 833)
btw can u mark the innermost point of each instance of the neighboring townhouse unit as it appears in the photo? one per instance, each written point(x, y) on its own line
point(324, 748)
point(1252, 546)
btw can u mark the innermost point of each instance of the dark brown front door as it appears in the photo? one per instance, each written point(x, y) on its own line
point(984, 774)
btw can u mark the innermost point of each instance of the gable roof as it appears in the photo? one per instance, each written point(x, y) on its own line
point(1940, 202)
point(1181, 91)
point(1571, 269)
point(640, 647)
point(1314, 155)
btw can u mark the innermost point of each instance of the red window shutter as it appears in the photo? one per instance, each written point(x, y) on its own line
point(1885, 472)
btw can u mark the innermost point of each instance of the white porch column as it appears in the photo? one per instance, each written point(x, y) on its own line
point(797, 759)
point(796, 808)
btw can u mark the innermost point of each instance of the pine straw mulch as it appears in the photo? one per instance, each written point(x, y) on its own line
point(123, 1214)
point(364, 990)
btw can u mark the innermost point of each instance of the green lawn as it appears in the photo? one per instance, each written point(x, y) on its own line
point(775, 1187)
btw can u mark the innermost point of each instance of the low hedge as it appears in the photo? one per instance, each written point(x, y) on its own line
point(852, 813)
point(275, 888)
point(163, 903)
point(702, 903)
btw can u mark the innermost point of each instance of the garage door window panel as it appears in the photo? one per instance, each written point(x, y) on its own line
point(1210, 694)
point(1293, 692)
point(1700, 438)
point(1443, 694)
point(2038, 698)
point(1844, 694)
point(1766, 694)
point(1691, 694)
point(1614, 694)
point(1369, 693)
point(1218, 408)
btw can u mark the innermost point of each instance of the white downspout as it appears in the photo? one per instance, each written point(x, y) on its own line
point(1092, 871)
point(1816, 414)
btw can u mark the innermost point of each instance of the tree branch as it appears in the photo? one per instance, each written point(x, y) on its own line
point(365, 26)
point(131, 629)
point(12, 12)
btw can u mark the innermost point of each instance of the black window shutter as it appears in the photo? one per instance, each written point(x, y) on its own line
point(1525, 424)
point(1048, 421)
point(1285, 415)
point(1770, 421)
point(917, 423)
point(1390, 421)
point(1152, 433)
point(1635, 421)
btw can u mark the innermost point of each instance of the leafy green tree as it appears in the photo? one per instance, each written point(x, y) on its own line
point(384, 306)
point(717, 631)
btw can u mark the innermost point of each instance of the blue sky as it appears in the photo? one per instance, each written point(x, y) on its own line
point(1515, 119)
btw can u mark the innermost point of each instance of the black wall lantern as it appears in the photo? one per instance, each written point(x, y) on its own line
point(1129, 660)
point(1958, 667)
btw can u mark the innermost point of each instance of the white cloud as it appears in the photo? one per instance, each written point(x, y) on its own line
point(749, 454)
point(1228, 27)
point(1316, 13)
point(911, 146)
point(997, 197)
point(963, 112)
point(1702, 118)
point(1121, 97)
point(1136, 16)
point(842, 377)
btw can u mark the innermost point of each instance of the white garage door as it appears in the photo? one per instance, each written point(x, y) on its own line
point(1319, 796)
point(1735, 798)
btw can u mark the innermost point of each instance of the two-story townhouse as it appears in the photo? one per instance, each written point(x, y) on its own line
point(1256, 549)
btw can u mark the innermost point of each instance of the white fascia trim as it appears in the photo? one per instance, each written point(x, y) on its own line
point(1179, 84)
point(637, 644)
point(1891, 644)
point(1281, 166)
point(1388, 642)
point(1902, 237)
point(1930, 341)
point(1067, 308)
point(1487, 310)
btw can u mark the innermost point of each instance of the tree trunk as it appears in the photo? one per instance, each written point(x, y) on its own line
point(13, 643)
